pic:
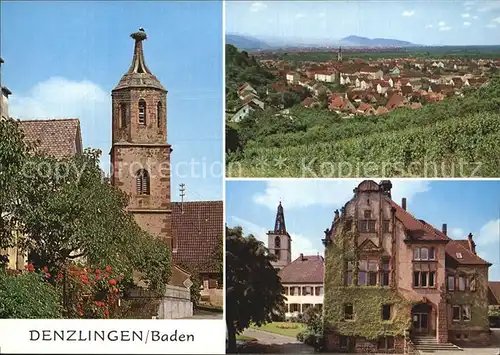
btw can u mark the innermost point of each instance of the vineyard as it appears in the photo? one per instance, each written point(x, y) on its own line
point(457, 137)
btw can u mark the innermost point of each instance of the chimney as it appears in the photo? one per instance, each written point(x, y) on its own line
point(472, 244)
point(301, 257)
point(403, 203)
point(445, 229)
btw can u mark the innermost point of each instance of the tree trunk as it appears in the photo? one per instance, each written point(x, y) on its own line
point(231, 336)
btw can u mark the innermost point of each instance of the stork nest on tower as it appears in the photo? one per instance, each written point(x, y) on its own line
point(139, 35)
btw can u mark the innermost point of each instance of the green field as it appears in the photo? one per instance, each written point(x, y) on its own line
point(464, 52)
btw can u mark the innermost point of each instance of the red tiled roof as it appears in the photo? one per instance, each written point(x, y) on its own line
point(417, 230)
point(198, 227)
point(396, 100)
point(462, 247)
point(55, 137)
point(304, 269)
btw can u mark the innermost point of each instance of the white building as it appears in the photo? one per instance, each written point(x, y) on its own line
point(292, 77)
point(303, 283)
point(4, 99)
point(325, 77)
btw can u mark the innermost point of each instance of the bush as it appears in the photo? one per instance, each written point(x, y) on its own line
point(28, 296)
point(287, 326)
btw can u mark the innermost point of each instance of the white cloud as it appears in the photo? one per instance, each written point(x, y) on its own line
point(321, 14)
point(496, 20)
point(445, 28)
point(300, 15)
point(489, 6)
point(408, 13)
point(491, 25)
point(467, 24)
point(258, 6)
point(465, 15)
point(304, 193)
point(59, 97)
point(456, 233)
point(489, 233)
point(475, 17)
point(469, 3)
point(429, 26)
point(441, 23)
point(300, 243)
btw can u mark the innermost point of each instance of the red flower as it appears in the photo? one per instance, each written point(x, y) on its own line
point(106, 313)
point(112, 282)
point(81, 314)
point(108, 268)
point(97, 277)
point(47, 275)
point(115, 290)
point(97, 271)
point(30, 267)
point(45, 269)
point(59, 276)
point(106, 275)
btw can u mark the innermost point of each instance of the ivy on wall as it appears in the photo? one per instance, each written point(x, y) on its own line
point(477, 300)
point(367, 301)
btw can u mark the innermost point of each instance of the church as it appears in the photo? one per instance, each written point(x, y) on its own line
point(140, 162)
point(302, 278)
point(140, 166)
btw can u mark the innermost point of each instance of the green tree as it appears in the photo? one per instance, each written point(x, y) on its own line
point(253, 288)
point(28, 296)
point(13, 154)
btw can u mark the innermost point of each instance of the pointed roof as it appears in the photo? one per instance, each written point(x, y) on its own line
point(279, 224)
point(139, 75)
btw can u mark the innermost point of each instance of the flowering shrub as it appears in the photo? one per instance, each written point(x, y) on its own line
point(86, 292)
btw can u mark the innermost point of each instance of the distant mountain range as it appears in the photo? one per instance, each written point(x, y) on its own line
point(253, 43)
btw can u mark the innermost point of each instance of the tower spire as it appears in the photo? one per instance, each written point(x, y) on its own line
point(339, 55)
point(279, 225)
point(138, 63)
point(138, 75)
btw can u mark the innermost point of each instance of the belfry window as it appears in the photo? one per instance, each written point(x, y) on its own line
point(142, 112)
point(159, 115)
point(123, 115)
point(142, 182)
point(277, 242)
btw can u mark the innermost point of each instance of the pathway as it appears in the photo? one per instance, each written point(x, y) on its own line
point(273, 343)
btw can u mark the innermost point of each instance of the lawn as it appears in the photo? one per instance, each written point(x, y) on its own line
point(289, 329)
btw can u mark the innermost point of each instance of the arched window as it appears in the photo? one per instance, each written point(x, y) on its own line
point(142, 112)
point(159, 114)
point(277, 242)
point(123, 115)
point(142, 182)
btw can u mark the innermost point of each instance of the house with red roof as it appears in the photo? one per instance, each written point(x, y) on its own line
point(391, 278)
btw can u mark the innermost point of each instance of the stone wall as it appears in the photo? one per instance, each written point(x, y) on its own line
point(361, 345)
point(176, 303)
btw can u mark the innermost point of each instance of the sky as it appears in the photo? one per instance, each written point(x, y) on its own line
point(431, 22)
point(466, 206)
point(63, 58)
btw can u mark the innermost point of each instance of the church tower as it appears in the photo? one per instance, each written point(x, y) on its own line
point(279, 241)
point(339, 55)
point(140, 154)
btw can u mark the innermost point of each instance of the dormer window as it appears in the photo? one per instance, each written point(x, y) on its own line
point(142, 112)
point(459, 256)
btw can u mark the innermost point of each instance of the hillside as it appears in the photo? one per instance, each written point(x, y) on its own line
point(457, 137)
point(241, 68)
point(246, 42)
point(375, 42)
